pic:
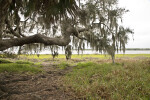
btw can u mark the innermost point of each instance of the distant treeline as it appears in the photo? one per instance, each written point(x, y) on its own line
point(127, 49)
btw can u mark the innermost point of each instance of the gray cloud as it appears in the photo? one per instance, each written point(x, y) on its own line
point(138, 19)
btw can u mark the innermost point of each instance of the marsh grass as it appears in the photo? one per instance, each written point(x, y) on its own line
point(132, 55)
point(128, 80)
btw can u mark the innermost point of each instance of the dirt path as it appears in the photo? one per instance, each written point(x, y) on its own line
point(47, 86)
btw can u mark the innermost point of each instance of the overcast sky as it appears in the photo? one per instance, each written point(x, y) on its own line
point(138, 19)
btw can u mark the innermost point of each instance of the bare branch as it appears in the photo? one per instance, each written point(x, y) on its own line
point(11, 30)
point(21, 33)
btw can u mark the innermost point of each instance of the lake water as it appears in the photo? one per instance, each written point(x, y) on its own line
point(89, 51)
point(94, 52)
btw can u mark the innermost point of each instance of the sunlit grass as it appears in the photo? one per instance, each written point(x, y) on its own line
point(127, 80)
point(132, 55)
point(102, 56)
point(43, 56)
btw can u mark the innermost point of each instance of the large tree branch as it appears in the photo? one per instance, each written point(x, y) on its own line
point(37, 38)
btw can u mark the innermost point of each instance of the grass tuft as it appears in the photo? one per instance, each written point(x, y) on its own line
point(13, 67)
point(63, 65)
point(5, 61)
point(84, 65)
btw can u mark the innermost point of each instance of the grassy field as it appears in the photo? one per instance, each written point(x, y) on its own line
point(94, 77)
point(87, 55)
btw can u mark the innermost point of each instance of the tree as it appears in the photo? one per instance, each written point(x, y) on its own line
point(93, 22)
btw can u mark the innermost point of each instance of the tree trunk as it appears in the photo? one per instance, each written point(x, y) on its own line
point(113, 58)
point(19, 51)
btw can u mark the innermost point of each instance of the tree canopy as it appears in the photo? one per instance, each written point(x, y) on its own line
point(41, 23)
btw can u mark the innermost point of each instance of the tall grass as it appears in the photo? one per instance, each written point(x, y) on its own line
point(121, 81)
